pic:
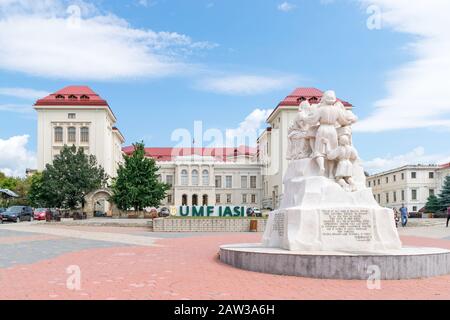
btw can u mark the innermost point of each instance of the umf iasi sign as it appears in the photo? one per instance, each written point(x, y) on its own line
point(211, 211)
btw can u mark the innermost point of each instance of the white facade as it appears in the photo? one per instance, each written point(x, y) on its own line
point(410, 185)
point(203, 180)
point(87, 126)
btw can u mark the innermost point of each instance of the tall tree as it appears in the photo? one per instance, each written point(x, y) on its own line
point(66, 182)
point(432, 204)
point(137, 185)
point(444, 196)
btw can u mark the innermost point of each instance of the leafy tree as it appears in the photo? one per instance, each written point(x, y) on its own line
point(8, 182)
point(432, 204)
point(444, 196)
point(66, 182)
point(137, 185)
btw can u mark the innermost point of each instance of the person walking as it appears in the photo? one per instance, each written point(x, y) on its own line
point(404, 215)
point(448, 215)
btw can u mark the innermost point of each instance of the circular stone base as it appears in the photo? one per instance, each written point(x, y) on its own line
point(406, 263)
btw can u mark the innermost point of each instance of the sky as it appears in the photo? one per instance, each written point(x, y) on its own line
point(167, 66)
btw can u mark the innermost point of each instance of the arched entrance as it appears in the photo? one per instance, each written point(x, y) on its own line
point(195, 200)
point(184, 200)
point(205, 200)
point(97, 203)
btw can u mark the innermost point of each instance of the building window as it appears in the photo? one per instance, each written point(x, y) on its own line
point(403, 195)
point(403, 176)
point(395, 178)
point(395, 196)
point(194, 200)
point(413, 175)
point(253, 198)
point(369, 184)
point(253, 182)
point(228, 182)
point(169, 198)
point(205, 200)
point(244, 198)
point(244, 182)
point(58, 134)
point(184, 177)
point(71, 134)
point(431, 175)
point(59, 97)
point(414, 209)
point(84, 134)
point(84, 97)
point(184, 200)
point(194, 177)
point(379, 182)
point(414, 194)
point(72, 97)
point(228, 198)
point(169, 180)
point(217, 198)
point(387, 197)
point(387, 179)
point(205, 177)
point(378, 196)
point(218, 182)
point(431, 192)
point(72, 116)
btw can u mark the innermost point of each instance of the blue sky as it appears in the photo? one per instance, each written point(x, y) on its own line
point(163, 64)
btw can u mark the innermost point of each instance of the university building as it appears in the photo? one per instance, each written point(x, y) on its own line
point(410, 185)
point(76, 115)
point(242, 176)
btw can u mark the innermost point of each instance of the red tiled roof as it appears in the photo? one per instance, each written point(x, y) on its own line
point(313, 95)
point(445, 165)
point(73, 95)
point(167, 154)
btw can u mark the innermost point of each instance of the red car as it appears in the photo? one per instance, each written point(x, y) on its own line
point(40, 213)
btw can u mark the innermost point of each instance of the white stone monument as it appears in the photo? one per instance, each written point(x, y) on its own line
point(326, 204)
point(329, 224)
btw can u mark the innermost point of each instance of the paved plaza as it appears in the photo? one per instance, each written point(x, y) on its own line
point(37, 260)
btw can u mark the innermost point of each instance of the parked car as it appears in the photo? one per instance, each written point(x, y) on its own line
point(18, 214)
point(1, 211)
point(254, 212)
point(55, 214)
point(41, 213)
point(164, 212)
point(99, 214)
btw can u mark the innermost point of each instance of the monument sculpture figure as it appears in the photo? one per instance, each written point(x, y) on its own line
point(329, 225)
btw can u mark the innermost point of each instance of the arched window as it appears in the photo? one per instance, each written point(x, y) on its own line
point(84, 134)
point(184, 200)
point(194, 200)
point(205, 177)
point(205, 200)
point(194, 177)
point(84, 97)
point(59, 97)
point(184, 177)
point(72, 97)
point(58, 134)
point(71, 134)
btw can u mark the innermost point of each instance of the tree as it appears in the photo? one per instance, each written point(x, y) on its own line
point(66, 182)
point(137, 185)
point(37, 196)
point(444, 196)
point(432, 205)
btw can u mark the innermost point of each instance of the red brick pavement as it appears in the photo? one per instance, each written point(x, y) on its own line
point(188, 268)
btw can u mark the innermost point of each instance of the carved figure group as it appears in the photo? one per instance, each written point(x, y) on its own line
point(323, 132)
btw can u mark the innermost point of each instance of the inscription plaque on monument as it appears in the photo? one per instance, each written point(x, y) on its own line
point(354, 224)
point(278, 224)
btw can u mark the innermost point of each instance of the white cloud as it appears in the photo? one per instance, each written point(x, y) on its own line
point(286, 6)
point(14, 156)
point(249, 129)
point(415, 156)
point(417, 92)
point(47, 38)
point(18, 108)
point(245, 84)
point(23, 93)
